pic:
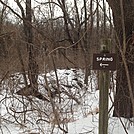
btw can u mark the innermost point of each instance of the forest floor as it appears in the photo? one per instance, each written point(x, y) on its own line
point(39, 116)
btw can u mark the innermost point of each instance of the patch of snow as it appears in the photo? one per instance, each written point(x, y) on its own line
point(78, 118)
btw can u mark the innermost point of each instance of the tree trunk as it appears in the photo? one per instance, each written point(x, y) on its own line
point(123, 98)
point(32, 65)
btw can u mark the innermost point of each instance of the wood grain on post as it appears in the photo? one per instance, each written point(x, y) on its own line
point(104, 79)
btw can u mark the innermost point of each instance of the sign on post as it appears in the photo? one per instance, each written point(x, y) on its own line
point(104, 61)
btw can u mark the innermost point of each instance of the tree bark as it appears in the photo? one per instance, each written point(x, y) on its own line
point(32, 65)
point(123, 98)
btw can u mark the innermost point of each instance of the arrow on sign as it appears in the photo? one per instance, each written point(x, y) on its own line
point(103, 65)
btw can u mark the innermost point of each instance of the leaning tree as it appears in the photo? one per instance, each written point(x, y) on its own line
point(123, 19)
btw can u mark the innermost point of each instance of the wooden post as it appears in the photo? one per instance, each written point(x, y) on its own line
point(104, 79)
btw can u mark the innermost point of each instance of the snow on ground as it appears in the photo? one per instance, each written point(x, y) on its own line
point(83, 119)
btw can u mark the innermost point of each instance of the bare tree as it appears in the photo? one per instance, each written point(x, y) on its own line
point(123, 17)
point(3, 52)
point(31, 48)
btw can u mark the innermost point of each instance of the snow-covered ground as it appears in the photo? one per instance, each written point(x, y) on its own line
point(77, 116)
